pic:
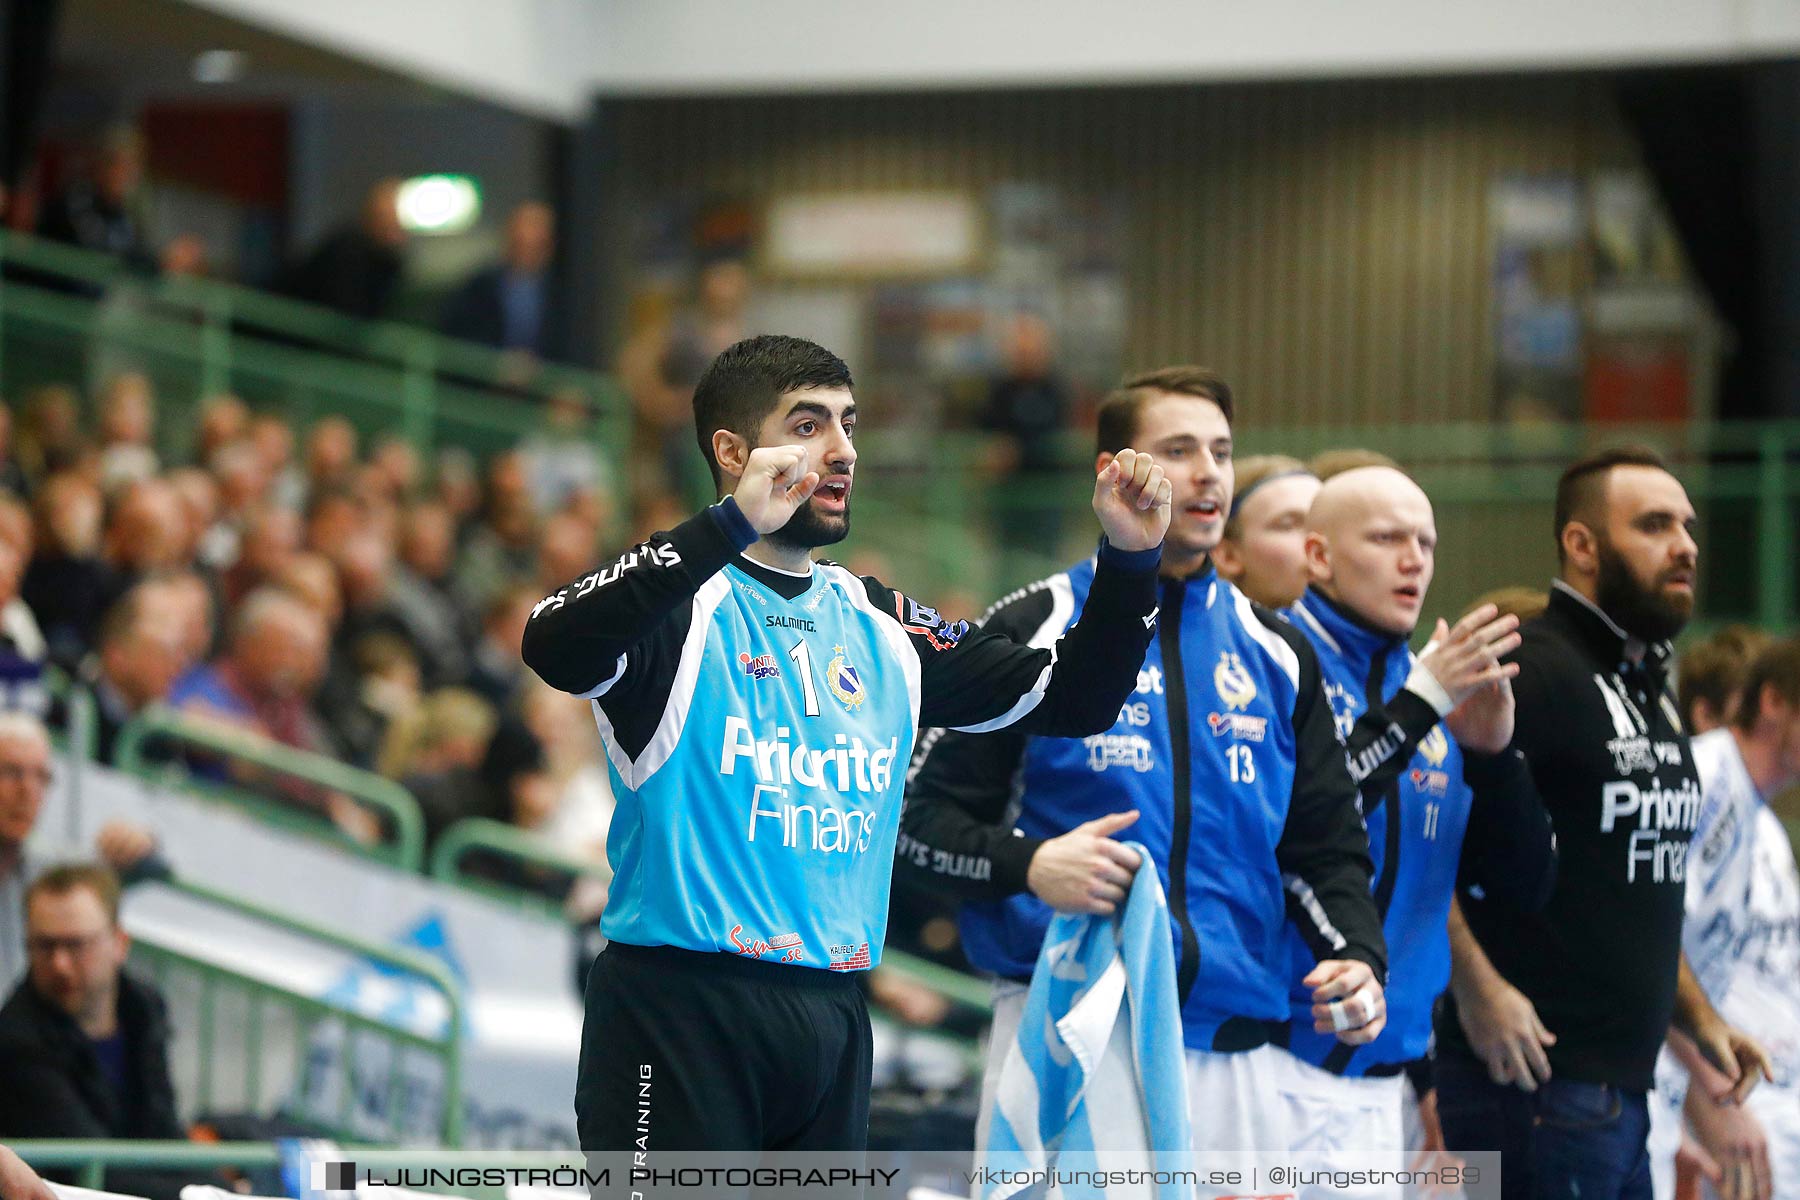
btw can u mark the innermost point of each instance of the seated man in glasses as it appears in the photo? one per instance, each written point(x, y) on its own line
point(84, 1047)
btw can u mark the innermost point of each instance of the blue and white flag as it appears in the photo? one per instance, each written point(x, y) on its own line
point(1102, 1008)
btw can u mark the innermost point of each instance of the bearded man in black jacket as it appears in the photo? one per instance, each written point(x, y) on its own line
point(1548, 1040)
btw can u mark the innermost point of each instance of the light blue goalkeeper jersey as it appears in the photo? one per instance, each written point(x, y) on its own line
point(758, 723)
point(760, 820)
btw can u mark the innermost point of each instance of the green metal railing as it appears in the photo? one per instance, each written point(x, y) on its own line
point(79, 732)
point(74, 316)
point(303, 1017)
point(393, 803)
point(966, 990)
point(481, 836)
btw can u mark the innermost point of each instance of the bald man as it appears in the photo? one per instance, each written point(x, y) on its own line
point(1457, 803)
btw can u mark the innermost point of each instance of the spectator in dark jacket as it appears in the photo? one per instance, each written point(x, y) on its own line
point(507, 305)
point(84, 1047)
point(354, 270)
point(1027, 410)
point(142, 651)
point(67, 584)
point(100, 210)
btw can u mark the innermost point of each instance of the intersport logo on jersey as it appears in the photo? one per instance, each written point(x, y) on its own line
point(786, 768)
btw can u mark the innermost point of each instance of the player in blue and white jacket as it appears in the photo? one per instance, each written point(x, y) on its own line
point(1741, 935)
point(1462, 804)
point(1224, 764)
point(758, 710)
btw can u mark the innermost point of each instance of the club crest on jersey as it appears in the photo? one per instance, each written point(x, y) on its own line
point(844, 681)
point(763, 666)
point(1236, 688)
point(1435, 746)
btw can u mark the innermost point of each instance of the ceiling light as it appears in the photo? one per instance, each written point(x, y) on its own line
point(439, 203)
point(220, 66)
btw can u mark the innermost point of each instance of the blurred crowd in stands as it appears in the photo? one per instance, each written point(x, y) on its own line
point(359, 269)
point(338, 596)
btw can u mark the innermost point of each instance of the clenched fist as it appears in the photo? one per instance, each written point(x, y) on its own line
point(1133, 501)
point(774, 485)
point(1347, 1000)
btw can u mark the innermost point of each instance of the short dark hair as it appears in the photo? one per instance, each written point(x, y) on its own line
point(1776, 665)
point(60, 881)
point(1713, 670)
point(1118, 415)
point(1582, 487)
point(741, 385)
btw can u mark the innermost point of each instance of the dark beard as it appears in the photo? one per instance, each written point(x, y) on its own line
point(1643, 613)
point(807, 529)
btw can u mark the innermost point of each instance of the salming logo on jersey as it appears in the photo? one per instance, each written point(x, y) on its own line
point(659, 554)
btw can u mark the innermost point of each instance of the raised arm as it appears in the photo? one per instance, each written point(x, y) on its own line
point(981, 680)
point(578, 636)
point(1459, 662)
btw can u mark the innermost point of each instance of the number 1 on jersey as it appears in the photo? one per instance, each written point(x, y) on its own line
point(803, 659)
